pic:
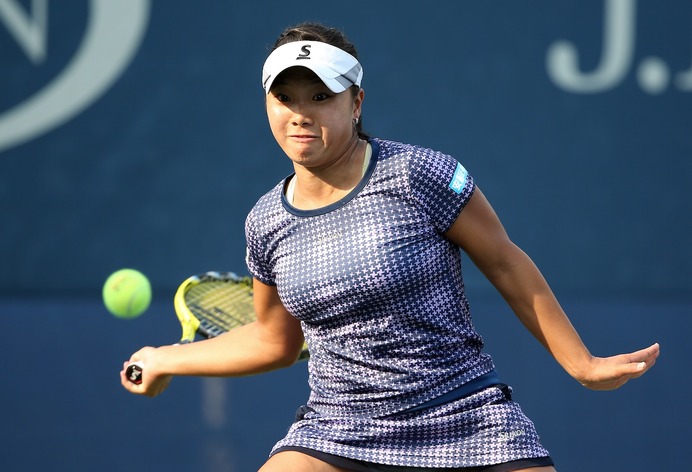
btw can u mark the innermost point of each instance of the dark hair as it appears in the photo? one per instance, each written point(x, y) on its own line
point(310, 31)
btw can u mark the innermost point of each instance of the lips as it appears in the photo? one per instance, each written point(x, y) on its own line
point(303, 137)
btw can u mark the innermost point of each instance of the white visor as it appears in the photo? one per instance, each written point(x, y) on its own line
point(335, 67)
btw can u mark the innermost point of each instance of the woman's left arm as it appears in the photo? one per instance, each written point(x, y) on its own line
point(480, 234)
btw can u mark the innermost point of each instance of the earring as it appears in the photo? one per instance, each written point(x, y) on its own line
point(355, 121)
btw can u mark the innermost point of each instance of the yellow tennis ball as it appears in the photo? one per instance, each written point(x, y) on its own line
point(127, 293)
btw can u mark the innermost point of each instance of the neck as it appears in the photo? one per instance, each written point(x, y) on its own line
point(319, 188)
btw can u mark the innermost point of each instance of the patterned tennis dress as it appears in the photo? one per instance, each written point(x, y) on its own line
point(380, 296)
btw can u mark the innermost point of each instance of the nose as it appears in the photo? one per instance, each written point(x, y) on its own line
point(301, 115)
point(300, 119)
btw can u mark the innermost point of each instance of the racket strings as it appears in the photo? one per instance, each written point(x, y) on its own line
point(220, 305)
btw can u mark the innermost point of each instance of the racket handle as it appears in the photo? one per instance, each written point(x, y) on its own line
point(134, 373)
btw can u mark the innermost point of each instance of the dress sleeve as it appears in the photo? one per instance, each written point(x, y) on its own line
point(440, 185)
point(255, 257)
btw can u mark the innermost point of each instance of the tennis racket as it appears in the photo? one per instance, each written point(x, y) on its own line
point(208, 305)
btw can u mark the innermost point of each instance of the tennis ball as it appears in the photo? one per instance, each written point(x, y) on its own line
point(127, 293)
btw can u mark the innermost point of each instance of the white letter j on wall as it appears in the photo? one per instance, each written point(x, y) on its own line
point(616, 55)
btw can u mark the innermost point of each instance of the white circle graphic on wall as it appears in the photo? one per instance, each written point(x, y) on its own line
point(113, 34)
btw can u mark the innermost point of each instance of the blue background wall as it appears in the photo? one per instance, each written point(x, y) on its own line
point(159, 146)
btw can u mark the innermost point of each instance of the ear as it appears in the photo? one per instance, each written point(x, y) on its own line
point(358, 103)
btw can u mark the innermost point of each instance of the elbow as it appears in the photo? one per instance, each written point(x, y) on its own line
point(286, 356)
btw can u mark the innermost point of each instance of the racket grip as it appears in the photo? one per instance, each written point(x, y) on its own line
point(134, 373)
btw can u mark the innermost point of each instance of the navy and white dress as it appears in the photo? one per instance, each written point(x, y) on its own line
point(379, 292)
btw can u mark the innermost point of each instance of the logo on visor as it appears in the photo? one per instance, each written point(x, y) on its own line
point(305, 52)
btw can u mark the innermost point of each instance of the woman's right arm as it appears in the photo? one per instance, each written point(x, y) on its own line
point(272, 342)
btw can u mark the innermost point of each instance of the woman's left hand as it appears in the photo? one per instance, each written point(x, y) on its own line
point(609, 373)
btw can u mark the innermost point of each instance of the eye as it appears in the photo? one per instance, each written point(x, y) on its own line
point(281, 97)
point(321, 97)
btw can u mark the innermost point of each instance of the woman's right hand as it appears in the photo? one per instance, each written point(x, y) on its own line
point(152, 383)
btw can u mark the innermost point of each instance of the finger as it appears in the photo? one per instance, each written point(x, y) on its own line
point(646, 354)
point(633, 370)
point(644, 366)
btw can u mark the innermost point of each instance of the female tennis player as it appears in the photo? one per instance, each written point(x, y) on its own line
point(358, 253)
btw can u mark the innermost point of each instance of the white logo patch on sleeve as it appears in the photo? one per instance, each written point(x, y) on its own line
point(459, 179)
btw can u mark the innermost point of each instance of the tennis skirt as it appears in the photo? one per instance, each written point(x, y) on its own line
point(481, 429)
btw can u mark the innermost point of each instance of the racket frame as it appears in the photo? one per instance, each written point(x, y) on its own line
point(190, 323)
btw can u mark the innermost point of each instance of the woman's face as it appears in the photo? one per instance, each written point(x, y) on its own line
point(312, 124)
